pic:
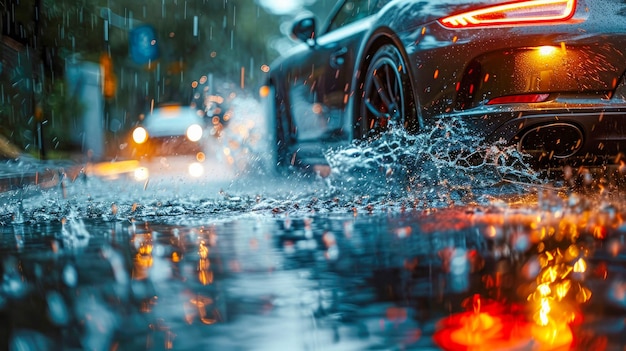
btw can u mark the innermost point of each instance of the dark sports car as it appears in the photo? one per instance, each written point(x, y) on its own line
point(545, 75)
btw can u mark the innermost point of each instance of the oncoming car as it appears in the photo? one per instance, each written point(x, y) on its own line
point(544, 75)
point(169, 129)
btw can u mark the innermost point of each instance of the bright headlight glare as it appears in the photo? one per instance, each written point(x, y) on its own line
point(194, 132)
point(141, 173)
point(140, 135)
point(196, 169)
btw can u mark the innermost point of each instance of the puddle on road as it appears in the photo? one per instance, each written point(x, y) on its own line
point(551, 278)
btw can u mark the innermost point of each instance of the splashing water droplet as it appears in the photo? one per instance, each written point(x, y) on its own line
point(442, 161)
point(57, 308)
point(70, 276)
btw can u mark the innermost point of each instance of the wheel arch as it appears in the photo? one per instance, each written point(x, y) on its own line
point(382, 36)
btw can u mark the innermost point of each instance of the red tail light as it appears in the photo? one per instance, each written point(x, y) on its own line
point(517, 99)
point(527, 12)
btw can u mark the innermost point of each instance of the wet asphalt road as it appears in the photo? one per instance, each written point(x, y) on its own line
point(244, 261)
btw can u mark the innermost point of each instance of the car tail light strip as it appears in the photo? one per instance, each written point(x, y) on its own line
point(529, 12)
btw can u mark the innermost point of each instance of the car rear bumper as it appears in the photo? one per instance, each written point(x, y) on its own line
point(556, 133)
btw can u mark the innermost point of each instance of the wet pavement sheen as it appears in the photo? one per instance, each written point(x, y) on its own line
point(459, 279)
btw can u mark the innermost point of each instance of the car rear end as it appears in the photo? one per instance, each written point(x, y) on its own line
point(547, 75)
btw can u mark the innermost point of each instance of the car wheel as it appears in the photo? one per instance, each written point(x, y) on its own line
point(387, 97)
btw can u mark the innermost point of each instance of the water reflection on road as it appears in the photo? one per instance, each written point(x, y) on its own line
point(477, 278)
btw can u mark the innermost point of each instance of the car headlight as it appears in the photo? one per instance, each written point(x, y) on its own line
point(194, 132)
point(140, 135)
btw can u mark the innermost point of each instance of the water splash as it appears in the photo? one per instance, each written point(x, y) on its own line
point(98, 333)
point(58, 311)
point(447, 158)
point(74, 233)
point(12, 285)
point(29, 340)
point(18, 214)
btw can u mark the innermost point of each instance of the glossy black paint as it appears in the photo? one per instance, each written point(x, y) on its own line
point(318, 87)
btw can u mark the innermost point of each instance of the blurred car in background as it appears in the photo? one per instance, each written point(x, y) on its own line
point(544, 75)
point(170, 129)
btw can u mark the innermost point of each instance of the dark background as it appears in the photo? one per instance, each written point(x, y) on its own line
point(235, 38)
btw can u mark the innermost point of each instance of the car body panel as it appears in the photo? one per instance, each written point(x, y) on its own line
point(578, 64)
point(317, 92)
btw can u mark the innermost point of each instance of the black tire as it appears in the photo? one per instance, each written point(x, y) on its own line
point(387, 95)
point(282, 135)
point(278, 128)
